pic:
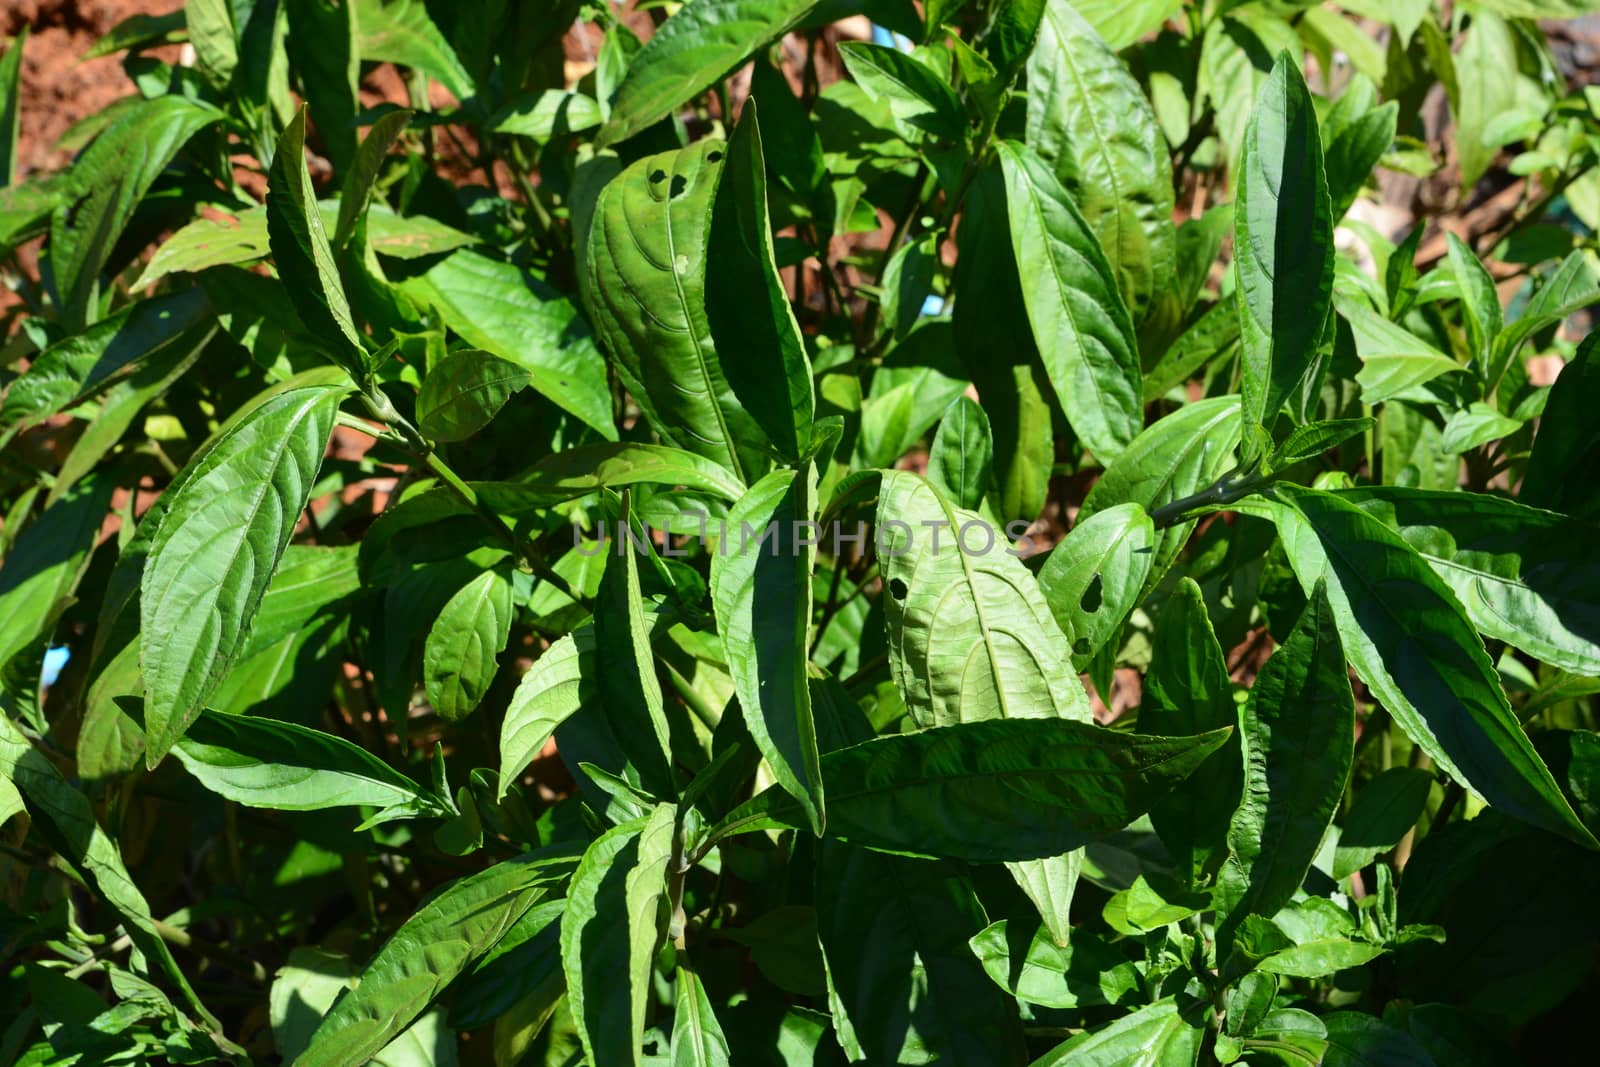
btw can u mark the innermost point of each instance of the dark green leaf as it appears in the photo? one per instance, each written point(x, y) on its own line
point(442, 940)
point(322, 47)
point(1093, 579)
point(499, 308)
point(1524, 576)
point(1174, 458)
point(1411, 643)
point(1564, 469)
point(989, 791)
point(610, 933)
point(1297, 732)
point(464, 392)
point(1090, 120)
point(461, 656)
point(1283, 244)
point(104, 187)
point(914, 91)
point(1079, 322)
point(645, 290)
point(1384, 809)
point(266, 764)
point(357, 189)
point(10, 106)
point(1161, 1035)
point(1033, 968)
point(1187, 692)
point(400, 31)
point(304, 257)
point(704, 41)
point(747, 305)
point(905, 985)
point(697, 1038)
point(73, 369)
point(762, 596)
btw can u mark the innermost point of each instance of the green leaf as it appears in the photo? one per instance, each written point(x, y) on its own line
point(242, 238)
point(747, 305)
point(445, 938)
point(1318, 959)
point(762, 598)
point(961, 461)
point(1212, 336)
point(356, 192)
point(500, 309)
point(904, 985)
point(1315, 438)
point(697, 1038)
point(1524, 576)
point(106, 184)
point(68, 820)
point(10, 106)
point(689, 53)
point(1079, 322)
point(216, 46)
point(548, 114)
point(1160, 1035)
point(1174, 458)
point(918, 381)
point(77, 367)
point(645, 290)
point(1393, 360)
point(992, 334)
point(307, 986)
point(1488, 45)
point(1474, 426)
point(461, 656)
point(1090, 120)
point(223, 534)
point(630, 691)
point(1093, 579)
point(1570, 288)
point(1564, 469)
point(561, 681)
point(464, 392)
point(1297, 732)
point(1035, 969)
point(400, 31)
point(970, 634)
point(1352, 151)
point(322, 49)
point(1122, 22)
point(988, 792)
point(1384, 809)
point(611, 930)
point(45, 563)
point(579, 471)
point(262, 763)
point(1480, 304)
point(1188, 691)
point(913, 91)
point(1283, 248)
point(1411, 643)
point(304, 258)
point(1143, 908)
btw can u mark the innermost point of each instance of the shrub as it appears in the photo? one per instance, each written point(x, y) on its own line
point(556, 573)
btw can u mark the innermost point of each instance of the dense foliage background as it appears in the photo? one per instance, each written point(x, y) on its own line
point(344, 347)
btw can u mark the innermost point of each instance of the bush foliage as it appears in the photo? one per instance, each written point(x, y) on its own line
point(996, 554)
